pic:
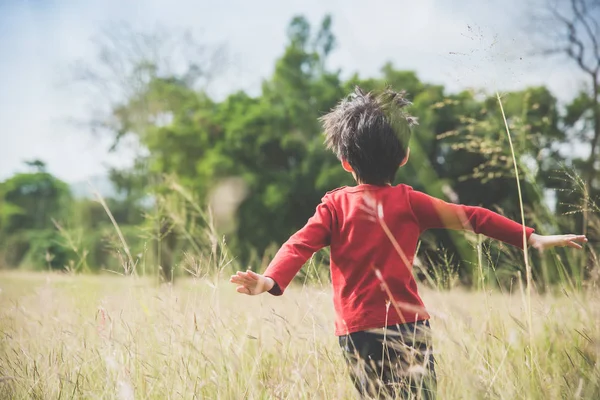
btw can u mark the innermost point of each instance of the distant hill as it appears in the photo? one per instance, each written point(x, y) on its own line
point(102, 184)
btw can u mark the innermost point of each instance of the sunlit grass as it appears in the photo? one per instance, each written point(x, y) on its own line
point(66, 336)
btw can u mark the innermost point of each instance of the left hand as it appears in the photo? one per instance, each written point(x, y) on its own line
point(251, 283)
point(541, 242)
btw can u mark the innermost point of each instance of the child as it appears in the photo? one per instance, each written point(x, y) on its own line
point(372, 229)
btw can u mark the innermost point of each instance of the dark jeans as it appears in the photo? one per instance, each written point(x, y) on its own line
point(394, 362)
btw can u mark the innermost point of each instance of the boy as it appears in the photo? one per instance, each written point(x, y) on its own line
point(372, 230)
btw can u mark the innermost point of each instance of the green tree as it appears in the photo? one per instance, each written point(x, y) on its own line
point(272, 143)
point(28, 204)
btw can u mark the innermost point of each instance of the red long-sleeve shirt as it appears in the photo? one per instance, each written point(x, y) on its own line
point(373, 233)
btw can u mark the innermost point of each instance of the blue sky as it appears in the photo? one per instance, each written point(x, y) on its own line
point(459, 44)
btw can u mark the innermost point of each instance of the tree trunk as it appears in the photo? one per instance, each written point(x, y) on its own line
point(166, 249)
point(591, 164)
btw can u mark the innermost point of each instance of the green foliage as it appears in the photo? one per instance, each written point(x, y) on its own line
point(47, 249)
point(28, 204)
point(31, 200)
point(272, 144)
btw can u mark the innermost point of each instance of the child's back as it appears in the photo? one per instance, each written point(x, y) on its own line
point(373, 233)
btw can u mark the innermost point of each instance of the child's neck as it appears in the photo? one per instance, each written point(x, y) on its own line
point(358, 182)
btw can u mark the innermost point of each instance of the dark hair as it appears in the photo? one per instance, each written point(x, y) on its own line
point(371, 132)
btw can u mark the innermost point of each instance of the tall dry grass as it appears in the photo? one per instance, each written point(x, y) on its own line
point(69, 336)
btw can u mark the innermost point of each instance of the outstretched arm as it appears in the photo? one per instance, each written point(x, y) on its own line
point(433, 213)
point(290, 257)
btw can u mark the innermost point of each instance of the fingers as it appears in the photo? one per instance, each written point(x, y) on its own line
point(573, 240)
point(253, 275)
point(236, 279)
point(248, 275)
point(243, 284)
point(243, 290)
point(571, 236)
point(247, 281)
point(242, 278)
point(579, 238)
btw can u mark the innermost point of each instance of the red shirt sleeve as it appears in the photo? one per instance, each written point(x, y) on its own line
point(299, 248)
point(433, 213)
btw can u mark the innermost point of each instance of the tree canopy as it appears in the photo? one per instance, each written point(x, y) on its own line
point(271, 145)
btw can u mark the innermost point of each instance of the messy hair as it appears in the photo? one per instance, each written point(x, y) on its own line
point(371, 132)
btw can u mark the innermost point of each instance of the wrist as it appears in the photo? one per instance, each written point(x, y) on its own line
point(269, 283)
point(533, 239)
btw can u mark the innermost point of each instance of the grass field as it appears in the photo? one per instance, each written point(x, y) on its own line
point(105, 337)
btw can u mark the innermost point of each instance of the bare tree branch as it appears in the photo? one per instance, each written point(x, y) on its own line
point(574, 28)
point(580, 15)
point(127, 61)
